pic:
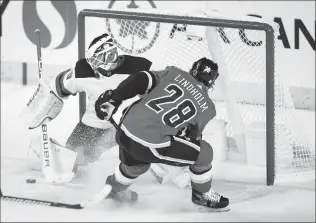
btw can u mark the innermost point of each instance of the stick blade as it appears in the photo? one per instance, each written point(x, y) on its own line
point(106, 190)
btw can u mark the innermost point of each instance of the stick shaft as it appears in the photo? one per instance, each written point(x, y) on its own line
point(47, 165)
point(39, 53)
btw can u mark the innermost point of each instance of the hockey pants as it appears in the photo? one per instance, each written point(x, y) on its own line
point(136, 159)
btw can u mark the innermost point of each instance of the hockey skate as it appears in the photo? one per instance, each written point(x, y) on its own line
point(124, 197)
point(210, 201)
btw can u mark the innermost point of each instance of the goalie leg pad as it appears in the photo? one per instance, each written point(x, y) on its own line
point(63, 158)
point(90, 143)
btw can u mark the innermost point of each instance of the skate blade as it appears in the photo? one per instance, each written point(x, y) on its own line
point(120, 203)
point(204, 209)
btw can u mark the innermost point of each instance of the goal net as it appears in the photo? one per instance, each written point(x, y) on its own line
point(250, 98)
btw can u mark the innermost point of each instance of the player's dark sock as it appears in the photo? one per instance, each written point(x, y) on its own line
point(120, 193)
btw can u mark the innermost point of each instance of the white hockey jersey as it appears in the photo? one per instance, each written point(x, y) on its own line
point(81, 78)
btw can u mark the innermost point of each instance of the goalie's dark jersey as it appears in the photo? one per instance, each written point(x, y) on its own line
point(175, 100)
point(129, 65)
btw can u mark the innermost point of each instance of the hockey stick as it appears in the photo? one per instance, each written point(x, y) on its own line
point(96, 199)
point(48, 168)
point(46, 150)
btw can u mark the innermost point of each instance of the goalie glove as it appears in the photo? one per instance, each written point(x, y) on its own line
point(44, 104)
point(105, 107)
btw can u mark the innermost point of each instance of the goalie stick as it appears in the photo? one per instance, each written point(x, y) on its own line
point(46, 149)
point(48, 166)
point(96, 199)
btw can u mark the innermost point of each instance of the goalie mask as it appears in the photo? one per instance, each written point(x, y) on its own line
point(205, 71)
point(102, 55)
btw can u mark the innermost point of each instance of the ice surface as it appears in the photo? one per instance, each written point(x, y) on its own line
point(249, 202)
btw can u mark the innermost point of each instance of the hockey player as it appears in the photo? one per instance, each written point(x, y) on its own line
point(102, 69)
point(165, 126)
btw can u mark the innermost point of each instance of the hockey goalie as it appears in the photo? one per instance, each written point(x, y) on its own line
point(102, 68)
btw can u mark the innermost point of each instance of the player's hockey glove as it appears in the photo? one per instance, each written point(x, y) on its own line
point(105, 107)
point(191, 132)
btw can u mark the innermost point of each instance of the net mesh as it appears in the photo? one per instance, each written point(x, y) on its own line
point(244, 53)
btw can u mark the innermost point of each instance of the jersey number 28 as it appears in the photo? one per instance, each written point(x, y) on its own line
point(177, 115)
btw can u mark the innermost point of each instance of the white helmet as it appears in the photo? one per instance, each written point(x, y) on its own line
point(102, 54)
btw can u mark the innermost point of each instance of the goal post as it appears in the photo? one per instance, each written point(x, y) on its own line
point(243, 48)
point(207, 22)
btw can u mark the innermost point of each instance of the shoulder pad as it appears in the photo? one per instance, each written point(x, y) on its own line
point(83, 69)
point(133, 64)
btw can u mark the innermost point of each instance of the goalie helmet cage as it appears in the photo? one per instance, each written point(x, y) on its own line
point(257, 66)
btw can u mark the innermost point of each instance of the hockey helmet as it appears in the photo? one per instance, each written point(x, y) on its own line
point(102, 54)
point(205, 71)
